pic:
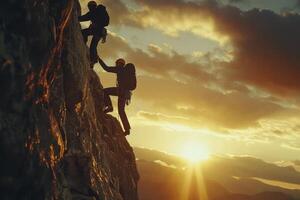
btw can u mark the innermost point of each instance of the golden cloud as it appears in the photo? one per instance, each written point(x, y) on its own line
point(265, 44)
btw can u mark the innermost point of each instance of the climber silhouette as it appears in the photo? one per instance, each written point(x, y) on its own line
point(99, 20)
point(126, 83)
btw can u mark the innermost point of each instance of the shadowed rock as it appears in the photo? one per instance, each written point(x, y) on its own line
point(55, 141)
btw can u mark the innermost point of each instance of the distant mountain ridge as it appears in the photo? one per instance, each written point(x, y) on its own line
point(219, 181)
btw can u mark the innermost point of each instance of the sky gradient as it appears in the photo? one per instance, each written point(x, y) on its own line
point(222, 74)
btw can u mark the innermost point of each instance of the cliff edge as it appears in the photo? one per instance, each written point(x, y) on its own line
point(55, 141)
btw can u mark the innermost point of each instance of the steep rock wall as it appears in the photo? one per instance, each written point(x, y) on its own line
point(55, 141)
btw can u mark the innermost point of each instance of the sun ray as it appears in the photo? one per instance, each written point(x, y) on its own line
point(186, 184)
point(202, 192)
point(194, 186)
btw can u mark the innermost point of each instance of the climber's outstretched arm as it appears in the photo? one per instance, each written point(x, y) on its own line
point(86, 17)
point(106, 68)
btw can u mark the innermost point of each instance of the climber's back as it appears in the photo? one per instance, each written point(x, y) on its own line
point(97, 15)
point(101, 16)
point(127, 77)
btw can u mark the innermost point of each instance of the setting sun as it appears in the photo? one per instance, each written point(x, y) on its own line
point(194, 152)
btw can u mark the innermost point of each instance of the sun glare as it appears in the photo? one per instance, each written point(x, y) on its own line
point(194, 152)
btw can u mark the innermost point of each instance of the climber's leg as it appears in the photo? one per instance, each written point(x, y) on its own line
point(93, 48)
point(107, 101)
point(85, 33)
point(123, 116)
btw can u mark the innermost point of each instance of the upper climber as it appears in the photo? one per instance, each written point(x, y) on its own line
point(126, 83)
point(99, 20)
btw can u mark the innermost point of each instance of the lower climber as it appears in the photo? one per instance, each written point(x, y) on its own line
point(126, 83)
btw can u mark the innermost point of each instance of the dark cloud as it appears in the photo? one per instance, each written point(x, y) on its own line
point(266, 49)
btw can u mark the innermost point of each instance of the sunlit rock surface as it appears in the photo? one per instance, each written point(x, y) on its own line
point(55, 141)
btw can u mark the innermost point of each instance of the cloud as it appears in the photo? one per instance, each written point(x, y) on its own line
point(298, 3)
point(292, 146)
point(198, 106)
point(265, 44)
point(155, 61)
point(177, 91)
point(267, 51)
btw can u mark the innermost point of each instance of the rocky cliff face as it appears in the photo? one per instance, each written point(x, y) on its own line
point(55, 141)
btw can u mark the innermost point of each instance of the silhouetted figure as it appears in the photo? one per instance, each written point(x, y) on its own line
point(99, 19)
point(126, 82)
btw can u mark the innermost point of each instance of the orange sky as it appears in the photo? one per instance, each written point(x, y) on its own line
point(224, 75)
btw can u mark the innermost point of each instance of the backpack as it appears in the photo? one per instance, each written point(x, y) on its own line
point(103, 16)
point(128, 77)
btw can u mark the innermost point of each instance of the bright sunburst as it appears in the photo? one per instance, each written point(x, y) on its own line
point(194, 152)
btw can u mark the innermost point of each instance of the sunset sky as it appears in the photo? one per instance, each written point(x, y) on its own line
point(222, 75)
